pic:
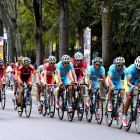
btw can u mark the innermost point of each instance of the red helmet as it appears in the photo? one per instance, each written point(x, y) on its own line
point(46, 61)
point(12, 64)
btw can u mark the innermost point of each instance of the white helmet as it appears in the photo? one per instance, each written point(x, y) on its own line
point(26, 60)
point(97, 59)
point(1, 61)
point(78, 56)
point(66, 58)
point(120, 60)
point(137, 62)
point(52, 59)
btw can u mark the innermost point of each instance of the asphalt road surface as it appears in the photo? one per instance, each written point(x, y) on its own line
point(38, 127)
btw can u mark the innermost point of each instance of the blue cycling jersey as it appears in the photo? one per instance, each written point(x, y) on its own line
point(116, 75)
point(95, 73)
point(132, 72)
point(64, 70)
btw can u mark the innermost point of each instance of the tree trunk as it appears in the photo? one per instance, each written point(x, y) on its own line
point(106, 34)
point(38, 33)
point(1, 30)
point(63, 27)
point(9, 33)
point(57, 52)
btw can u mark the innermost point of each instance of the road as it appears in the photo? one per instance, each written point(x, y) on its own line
point(37, 127)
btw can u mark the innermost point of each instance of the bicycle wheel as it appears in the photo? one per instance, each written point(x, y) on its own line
point(129, 119)
point(61, 109)
point(137, 121)
point(80, 109)
point(3, 98)
point(108, 115)
point(99, 111)
point(70, 114)
point(44, 107)
point(89, 111)
point(120, 110)
point(52, 104)
point(28, 105)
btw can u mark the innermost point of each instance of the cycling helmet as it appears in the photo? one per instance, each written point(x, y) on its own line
point(66, 58)
point(97, 59)
point(20, 58)
point(26, 60)
point(78, 56)
point(52, 59)
point(137, 62)
point(119, 60)
point(45, 61)
point(12, 64)
point(1, 61)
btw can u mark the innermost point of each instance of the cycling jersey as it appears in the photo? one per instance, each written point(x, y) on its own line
point(94, 75)
point(79, 69)
point(2, 72)
point(25, 74)
point(134, 74)
point(40, 69)
point(116, 75)
point(64, 70)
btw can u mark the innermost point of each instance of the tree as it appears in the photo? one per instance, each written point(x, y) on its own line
point(35, 9)
point(12, 12)
point(8, 27)
point(63, 28)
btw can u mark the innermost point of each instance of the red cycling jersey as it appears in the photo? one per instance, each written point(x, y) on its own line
point(25, 74)
point(50, 71)
point(2, 72)
point(79, 68)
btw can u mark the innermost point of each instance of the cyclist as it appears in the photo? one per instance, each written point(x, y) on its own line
point(63, 67)
point(15, 74)
point(93, 73)
point(3, 73)
point(24, 75)
point(132, 79)
point(80, 67)
point(115, 72)
point(47, 77)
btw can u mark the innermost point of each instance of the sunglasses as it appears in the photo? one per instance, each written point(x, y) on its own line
point(26, 65)
point(119, 65)
point(79, 60)
point(98, 64)
point(66, 62)
point(52, 63)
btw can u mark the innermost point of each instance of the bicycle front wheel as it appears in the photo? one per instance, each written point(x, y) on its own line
point(120, 110)
point(52, 105)
point(99, 110)
point(137, 121)
point(61, 109)
point(108, 115)
point(28, 105)
point(80, 109)
point(3, 98)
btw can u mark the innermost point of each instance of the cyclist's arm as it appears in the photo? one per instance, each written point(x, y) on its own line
point(74, 75)
point(109, 80)
point(89, 77)
point(6, 77)
point(104, 79)
point(59, 76)
point(45, 77)
point(129, 81)
point(19, 79)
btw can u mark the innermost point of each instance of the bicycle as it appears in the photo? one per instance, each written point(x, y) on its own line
point(63, 101)
point(3, 96)
point(78, 102)
point(134, 114)
point(117, 109)
point(26, 101)
point(48, 100)
point(94, 106)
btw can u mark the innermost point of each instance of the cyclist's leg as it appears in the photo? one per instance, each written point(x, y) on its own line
point(81, 81)
point(0, 89)
point(16, 85)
